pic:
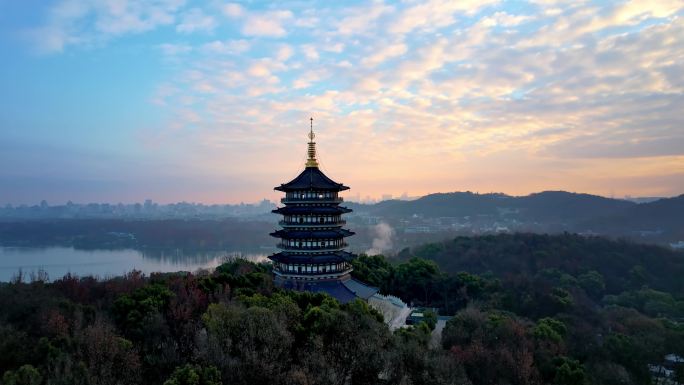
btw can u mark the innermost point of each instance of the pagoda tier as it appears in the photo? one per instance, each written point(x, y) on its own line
point(311, 210)
point(312, 237)
point(312, 234)
point(334, 257)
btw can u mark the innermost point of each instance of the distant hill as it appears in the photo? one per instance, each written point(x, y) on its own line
point(508, 255)
point(664, 217)
point(661, 220)
point(555, 206)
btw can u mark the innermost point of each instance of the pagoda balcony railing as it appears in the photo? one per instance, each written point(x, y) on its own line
point(312, 273)
point(311, 200)
point(283, 246)
point(341, 222)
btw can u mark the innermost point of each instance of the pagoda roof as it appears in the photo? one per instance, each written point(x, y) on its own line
point(318, 210)
point(285, 257)
point(312, 234)
point(343, 291)
point(359, 288)
point(312, 178)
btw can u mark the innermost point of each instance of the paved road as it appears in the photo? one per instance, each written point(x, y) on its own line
point(436, 338)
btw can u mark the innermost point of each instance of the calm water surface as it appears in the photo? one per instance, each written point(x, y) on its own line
point(58, 261)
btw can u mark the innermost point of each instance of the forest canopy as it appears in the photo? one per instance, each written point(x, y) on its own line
point(524, 309)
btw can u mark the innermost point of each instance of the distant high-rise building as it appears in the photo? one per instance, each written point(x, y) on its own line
point(312, 238)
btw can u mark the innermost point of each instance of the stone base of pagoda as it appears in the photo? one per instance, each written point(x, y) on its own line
point(281, 276)
point(343, 288)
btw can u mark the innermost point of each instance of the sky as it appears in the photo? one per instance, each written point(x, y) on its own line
point(209, 101)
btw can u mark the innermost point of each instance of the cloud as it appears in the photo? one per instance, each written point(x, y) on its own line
point(359, 20)
point(310, 52)
point(434, 14)
point(284, 52)
point(505, 19)
point(228, 47)
point(259, 69)
point(175, 49)
point(531, 97)
point(387, 52)
point(233, 10)
point(196, 20)
point(266, 24)
point(83, 22)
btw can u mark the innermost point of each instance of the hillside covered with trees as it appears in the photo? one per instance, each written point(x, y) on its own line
point(527, 309)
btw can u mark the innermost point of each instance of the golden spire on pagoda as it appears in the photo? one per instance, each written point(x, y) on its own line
point(311, 161)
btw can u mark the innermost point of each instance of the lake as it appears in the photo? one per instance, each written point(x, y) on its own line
point(58, 261)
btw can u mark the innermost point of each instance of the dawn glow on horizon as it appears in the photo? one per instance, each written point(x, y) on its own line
point(209, 101)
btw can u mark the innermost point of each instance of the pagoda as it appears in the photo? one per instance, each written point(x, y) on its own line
point(312, 256)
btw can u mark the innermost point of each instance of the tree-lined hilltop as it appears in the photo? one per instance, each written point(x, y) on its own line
point(527, 309)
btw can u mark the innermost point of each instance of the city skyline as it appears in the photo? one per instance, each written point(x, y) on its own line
point(209, 101)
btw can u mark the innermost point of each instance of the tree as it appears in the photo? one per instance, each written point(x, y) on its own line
point(430, 319)
point(550, 329)
point(374, 270)
point(109, 358)
point(131, 311)
point(194, 375)
point(569, 372)
point(25, 375)
point(593, 284)
point(247, 344)
point(416, 276)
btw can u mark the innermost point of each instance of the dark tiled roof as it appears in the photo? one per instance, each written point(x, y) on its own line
point(360, 289)
point(285, 257)
point(312, 234)
point(333, 288)
point(312, 179)
point(314, 210)
point(344, 291)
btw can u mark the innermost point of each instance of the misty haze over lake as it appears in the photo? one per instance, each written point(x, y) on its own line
point(58, 261)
